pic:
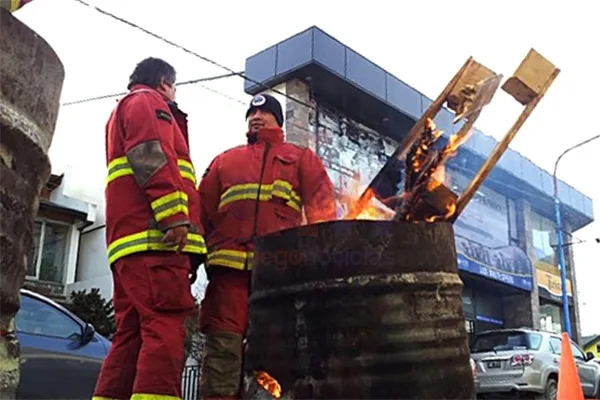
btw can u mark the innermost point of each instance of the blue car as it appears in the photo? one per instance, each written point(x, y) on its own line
point(61, 355)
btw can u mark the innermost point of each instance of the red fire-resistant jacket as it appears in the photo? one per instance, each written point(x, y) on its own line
point(290, 180)
point(151, 184)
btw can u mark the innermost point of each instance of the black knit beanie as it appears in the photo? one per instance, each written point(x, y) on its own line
point(268, 103)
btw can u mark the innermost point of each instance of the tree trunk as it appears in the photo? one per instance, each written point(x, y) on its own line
point(31, 78)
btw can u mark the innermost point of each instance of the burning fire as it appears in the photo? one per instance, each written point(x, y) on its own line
point(425, 170)
point(268, 383)
point(438, 176)
point(369, 207)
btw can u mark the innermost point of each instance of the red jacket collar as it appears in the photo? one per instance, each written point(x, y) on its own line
point(141, 86)
point(267, 135)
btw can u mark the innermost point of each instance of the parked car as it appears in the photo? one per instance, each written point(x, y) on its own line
point(61, 355)
point(474, 371)
point(526, 361)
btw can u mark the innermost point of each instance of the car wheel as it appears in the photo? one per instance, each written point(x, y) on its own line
point(551, 389)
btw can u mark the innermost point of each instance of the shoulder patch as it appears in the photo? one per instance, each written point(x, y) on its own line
point(163, 115)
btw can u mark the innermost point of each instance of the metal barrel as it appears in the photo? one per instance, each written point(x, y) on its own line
point(360, 310)
point(31, 79)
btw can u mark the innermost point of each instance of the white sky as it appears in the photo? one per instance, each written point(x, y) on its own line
point(421, 42)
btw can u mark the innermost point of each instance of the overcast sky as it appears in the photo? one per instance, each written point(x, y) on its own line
point(421, 42)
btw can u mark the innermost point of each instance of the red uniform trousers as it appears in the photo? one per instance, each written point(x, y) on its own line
point(224, 320)
point(152, 299)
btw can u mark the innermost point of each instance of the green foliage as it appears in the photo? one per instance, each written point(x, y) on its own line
point(95, 309)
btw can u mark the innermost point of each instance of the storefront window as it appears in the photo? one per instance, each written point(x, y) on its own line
point(550, 318)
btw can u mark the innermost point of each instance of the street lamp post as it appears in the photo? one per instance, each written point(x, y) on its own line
point(559, 236)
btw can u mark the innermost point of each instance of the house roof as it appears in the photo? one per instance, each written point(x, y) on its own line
point(588, 340)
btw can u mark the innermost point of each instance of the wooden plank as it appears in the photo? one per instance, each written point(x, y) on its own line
point(500, 148)
point(407, 142)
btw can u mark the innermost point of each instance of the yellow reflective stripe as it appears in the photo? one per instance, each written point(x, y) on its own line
point(187, 170)
point(249, 191)
point(231, 258)
point(105, 398)
point(117, 168)
point(285, 190)
point(170, 204)
point(120, 167)
point(14, 5)
point(149, 396)
point(151, 240)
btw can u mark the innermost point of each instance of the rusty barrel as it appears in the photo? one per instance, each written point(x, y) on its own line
point(360, 310)
point(31, 79)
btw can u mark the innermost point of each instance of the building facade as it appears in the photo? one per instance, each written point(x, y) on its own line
point(53, 257)
point(353, 113)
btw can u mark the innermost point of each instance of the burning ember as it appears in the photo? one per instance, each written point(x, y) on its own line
point(268, 383)
point(425, 197)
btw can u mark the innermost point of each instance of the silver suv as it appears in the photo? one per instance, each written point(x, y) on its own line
point(526, 361)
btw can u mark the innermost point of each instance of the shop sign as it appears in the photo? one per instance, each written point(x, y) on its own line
point(549, 281)
point(509, 265)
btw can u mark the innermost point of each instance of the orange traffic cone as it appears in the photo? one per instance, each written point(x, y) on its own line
point(569, 386)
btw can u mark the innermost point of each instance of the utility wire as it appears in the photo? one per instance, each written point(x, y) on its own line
point(109, 96)
point(212, 62)
point(193, 53)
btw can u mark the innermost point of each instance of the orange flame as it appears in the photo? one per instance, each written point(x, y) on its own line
point(268, 383)
point(367, 208)
point(438, 177)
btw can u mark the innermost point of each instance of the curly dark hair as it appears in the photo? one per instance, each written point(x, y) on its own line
point(150, 71)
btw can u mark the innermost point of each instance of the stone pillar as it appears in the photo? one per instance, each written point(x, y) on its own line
point(30, 87)
point(299, 118)
point(525, 236)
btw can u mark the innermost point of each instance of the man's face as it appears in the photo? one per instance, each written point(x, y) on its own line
point(167, 88)
point(261, 119)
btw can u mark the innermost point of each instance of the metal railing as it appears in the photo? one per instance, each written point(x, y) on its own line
point(190, 383)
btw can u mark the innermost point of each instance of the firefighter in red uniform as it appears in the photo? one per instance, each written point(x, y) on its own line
point(154, 237)
point(291, 180)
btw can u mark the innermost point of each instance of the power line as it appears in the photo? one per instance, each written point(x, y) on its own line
point(193, 53)
point(212, 62)
point(109, 96)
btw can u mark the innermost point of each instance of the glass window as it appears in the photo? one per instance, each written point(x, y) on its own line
point(34, 251)
point(512, 222)
point(577, 353)
point(555, 345)
point(47, 255)
point(502, 341)
point(544, 237)
point(39, 318)
point(550, 318)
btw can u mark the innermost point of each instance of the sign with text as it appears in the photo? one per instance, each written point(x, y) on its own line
point(509, 265)
point(549, 281)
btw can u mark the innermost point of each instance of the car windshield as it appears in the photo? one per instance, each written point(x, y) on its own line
point(503, 341)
